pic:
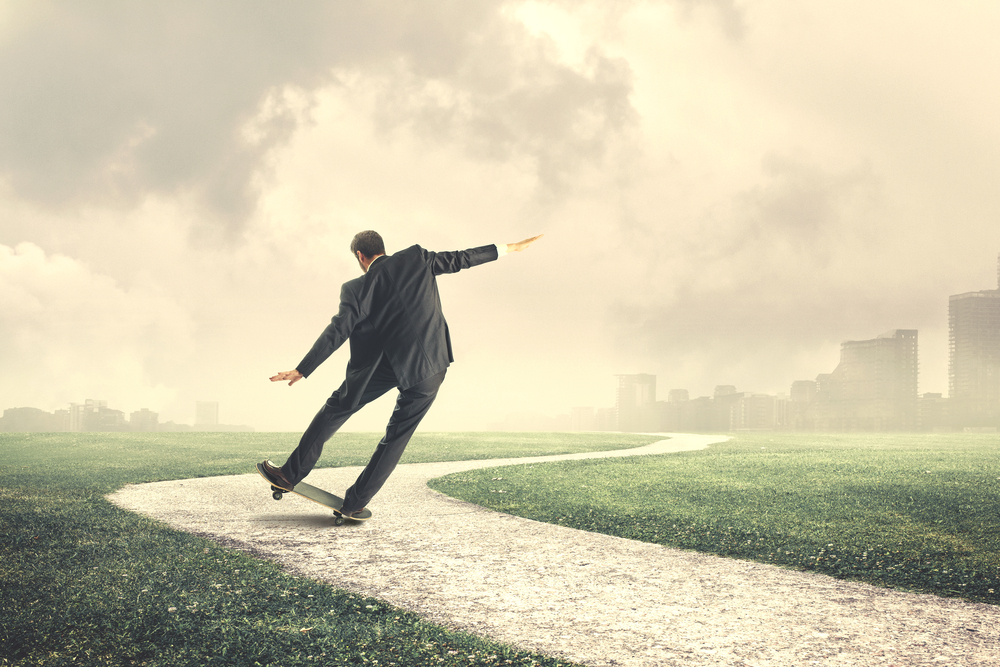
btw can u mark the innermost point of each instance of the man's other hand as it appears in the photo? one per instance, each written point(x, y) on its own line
point(292, 376)
point(521, 245)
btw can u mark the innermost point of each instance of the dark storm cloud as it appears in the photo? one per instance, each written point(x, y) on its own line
point(115, 99)
point(106, 102)
point(532, 106)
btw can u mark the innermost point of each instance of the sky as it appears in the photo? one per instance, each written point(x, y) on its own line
point(727, 191)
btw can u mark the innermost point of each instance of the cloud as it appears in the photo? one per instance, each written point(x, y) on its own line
point(68, 333)
point(801, 209)
point(555, 116)
point(727, 192)
point(731, 17)
point(109, 102)
point(791, 263)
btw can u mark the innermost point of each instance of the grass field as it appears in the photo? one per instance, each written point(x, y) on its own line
point(915, 512)
point(83, 582)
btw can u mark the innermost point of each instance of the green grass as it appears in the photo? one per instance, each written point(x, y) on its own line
point(83, 582)
point(105, 462)
point(915, 512)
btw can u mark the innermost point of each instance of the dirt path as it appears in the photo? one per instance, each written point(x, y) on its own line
point(591, 598)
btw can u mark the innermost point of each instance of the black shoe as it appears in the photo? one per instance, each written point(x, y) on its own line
point(275, 476)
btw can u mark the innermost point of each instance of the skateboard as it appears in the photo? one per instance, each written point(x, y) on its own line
point(336, 503)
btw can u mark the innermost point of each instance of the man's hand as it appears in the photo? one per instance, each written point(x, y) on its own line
point(521, 245)
point(292, 376)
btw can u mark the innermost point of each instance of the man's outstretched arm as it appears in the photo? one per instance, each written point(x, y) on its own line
point(335, 335)
point(453, 262)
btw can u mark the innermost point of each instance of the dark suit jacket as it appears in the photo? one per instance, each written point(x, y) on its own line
point(394, 312)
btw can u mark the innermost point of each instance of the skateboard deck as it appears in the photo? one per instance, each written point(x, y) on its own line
point(336, 503)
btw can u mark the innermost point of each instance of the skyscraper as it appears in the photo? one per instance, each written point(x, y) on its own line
point(635, 402)
point(974, 356)
point(874, 387)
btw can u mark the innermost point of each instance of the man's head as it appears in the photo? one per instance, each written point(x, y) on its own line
point(366, 246)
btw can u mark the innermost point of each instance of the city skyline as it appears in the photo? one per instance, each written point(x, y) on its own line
point(868, 394)
point(96, 415)
point(874, 387)
point(727, 191)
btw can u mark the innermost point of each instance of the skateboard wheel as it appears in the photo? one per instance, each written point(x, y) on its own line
point(277, 495)
point(339, 521)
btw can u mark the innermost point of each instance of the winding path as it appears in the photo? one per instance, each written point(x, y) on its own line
point(591, 598)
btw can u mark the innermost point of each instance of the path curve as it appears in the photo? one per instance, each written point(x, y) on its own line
point(587, 597)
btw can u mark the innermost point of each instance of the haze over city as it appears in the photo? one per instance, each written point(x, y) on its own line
point(727, 191)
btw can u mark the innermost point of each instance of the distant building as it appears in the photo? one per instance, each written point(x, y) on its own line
point(874, 388)
point(824, 387)
point(799, 410)
point(79, 419)
point(724, 390)
point(635, 402)
point(803, 391)
point(697, 414)
point(61, 420)
point(207, 419)
point(702, 414)
point(757, 412)
point(974, 357)
point(20, 420)
point(206, 413)
point(172, 427)
point(605, 419)
point(95, 415)
point(933, 413)
point(725, 408)
point(144, 420)
point(677, 396)
point(582, 419)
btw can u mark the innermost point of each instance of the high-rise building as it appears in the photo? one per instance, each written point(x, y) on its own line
point(803, 391)
point(800, 413)
point(874, 388)
point(725, 408)
point(635, 402)
point(974, 357)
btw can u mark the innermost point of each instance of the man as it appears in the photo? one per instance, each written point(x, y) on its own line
point(399, 339)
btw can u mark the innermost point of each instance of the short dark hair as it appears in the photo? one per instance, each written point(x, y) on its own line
point(369, 243)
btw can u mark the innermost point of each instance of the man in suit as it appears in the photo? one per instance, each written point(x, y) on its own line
point(392, 317)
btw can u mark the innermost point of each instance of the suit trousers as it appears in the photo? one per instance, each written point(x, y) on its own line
point(411, 406)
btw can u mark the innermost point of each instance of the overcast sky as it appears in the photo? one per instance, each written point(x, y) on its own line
point(728, 190)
